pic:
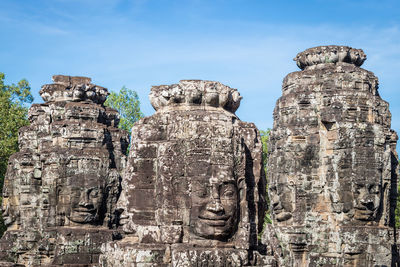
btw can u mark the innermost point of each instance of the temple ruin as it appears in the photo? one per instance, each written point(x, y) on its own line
point(61, 188)
point(193, 191)
point(331, 166)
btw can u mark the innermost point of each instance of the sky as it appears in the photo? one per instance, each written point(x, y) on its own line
point(245, 44)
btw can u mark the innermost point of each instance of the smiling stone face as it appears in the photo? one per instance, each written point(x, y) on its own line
point(193, 183)
point(367, 199)
point(214, 207)
point(84, 187)
point(282, 202)
point(86, 200)
point(20, 184)
point(8, 206)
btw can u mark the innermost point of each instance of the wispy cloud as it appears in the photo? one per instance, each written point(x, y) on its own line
point(139, 44)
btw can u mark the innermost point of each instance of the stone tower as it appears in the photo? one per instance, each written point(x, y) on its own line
point(193, 190)
point(61, 189)
point(331, 165)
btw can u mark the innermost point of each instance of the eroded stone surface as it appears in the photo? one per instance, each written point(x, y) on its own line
point(331, 164)
point(61, 189)
point(193, 190)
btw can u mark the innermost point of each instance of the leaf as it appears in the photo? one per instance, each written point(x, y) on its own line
point(13, 115)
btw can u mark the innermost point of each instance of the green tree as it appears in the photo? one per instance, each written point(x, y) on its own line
point(126, 102)
point(264, 141)
point(13, 115)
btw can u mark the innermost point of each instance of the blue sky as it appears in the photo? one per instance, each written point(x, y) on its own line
point(246, 44)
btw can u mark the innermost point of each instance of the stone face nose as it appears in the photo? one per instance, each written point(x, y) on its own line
point(215, 206)
point(369, 201)
point(119, 210)
point(86, 203)
point(4, 209)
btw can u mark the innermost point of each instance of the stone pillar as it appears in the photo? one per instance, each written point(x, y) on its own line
point(61, 189)
point(330, 164)
point(193, 190)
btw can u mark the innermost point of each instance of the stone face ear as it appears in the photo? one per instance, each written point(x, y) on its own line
point(330, 163)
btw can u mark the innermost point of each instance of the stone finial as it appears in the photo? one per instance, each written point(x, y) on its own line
point(71, 80)
point(73, 89)
point(330, 54)
point(195, 93)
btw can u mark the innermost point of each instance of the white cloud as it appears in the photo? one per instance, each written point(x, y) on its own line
point(119, 49)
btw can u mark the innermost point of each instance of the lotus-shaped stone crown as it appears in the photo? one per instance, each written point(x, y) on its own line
point(330, 54)
point(73, 88)
point(195, 93)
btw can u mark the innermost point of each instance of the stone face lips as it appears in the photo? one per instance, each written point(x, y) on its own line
point(193, 189)
point(61, 189)
point(330, 164)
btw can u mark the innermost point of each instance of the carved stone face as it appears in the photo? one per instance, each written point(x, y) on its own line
point(367, 198)
point(9, 205)
point(121, 210)
point(281, 202)
point(214, 207)
point(7, 208)
point(86, 199)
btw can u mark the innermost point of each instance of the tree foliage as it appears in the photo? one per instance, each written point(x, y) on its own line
point(126, 102)
point(264, 141)
point(13, 115)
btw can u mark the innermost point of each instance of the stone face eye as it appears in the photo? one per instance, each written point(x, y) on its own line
point(228, 191)
point(228, 194)
point(200, 190)
point(373, 189)
point(94, 193)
